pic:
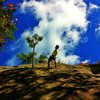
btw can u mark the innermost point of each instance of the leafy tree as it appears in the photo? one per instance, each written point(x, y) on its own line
point(26, 58)
point(42, 58)
point(33, 41)
point(7, 22)
point(22, 57)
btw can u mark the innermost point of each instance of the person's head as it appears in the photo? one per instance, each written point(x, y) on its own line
point(56, 47)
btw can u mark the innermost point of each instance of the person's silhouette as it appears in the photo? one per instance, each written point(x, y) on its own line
point(53, 56)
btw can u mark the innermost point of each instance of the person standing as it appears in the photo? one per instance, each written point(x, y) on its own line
point(53, 56)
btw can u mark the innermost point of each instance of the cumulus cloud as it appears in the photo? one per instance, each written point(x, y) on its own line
point(61, 22)
point(71, 59)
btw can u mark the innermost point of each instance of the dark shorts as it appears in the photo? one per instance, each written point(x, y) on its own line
point(51, 58)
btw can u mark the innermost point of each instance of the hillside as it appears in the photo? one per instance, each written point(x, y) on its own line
point(64, 83)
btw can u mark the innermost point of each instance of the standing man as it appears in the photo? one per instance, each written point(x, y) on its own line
point(53, 56)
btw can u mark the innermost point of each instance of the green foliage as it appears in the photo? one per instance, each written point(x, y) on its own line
point(34, 40)
point(43, 58)
point(7, 26)
point(26, 58)
point(22, 57)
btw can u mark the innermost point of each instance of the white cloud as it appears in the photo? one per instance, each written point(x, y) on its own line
point(58, 17)
point(13, 61)
point(21, 43)
point(97, 30)
point(62, 12)
point(59, 23)
point(20, 46)
point(85, 61)
point(93, 6)
point(72, 59)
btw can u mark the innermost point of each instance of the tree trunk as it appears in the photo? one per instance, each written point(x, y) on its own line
point(33, 58)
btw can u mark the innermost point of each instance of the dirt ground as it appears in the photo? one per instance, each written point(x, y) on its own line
point(66, 82)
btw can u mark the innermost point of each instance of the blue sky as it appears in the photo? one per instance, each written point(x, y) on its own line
point(77, 32)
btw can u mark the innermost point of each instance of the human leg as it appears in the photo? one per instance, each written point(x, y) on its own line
point(49, 60)
point(48, 64)
point(55, 62)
